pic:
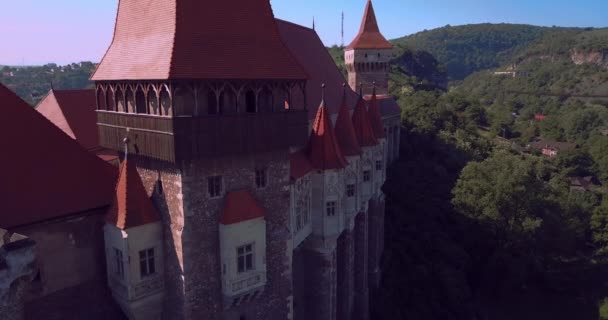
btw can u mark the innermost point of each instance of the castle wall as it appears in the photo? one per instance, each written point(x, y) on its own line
point(346, 274)
point(361, 290)
point(200, 238)
point(70, 253)
point(17, 268)
point(170, 207)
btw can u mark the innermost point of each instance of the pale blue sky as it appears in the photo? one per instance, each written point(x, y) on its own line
point(63, 31)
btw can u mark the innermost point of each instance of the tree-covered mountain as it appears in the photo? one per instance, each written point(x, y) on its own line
point(33, 82)
point(470, 48)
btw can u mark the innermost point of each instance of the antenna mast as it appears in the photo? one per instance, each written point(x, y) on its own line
point(342, 28)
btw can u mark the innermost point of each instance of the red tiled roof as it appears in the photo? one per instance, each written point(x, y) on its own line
point(46, 175)
point(131, 206)
point(369, 36)
point(311, 53)
point(299, 165)
point(193, 39)
point(345, 132)
point(375, 119)
point(363, 129)
point(323, 149)
point(240, 206)
point(73, 111)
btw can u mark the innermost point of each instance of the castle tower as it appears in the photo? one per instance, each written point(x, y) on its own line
point(367, 57)
point(328, 218)
point(201, 90)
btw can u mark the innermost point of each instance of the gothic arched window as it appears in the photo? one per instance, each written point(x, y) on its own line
point(130, 101)
point(140, 101)
point(119, 99)
point(101, 100)
point(153, 103)
point(211, 103)
point(265, 101)
point(109, 99)
point(165, 102)
point(250, 102)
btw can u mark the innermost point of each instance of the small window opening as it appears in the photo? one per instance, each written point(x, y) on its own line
point(331, 208)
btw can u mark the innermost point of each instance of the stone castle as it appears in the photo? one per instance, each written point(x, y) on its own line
point(249, 175)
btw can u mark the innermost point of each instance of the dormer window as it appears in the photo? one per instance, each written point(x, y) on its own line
point(379, 165)
point(146, 263)
point(350, 190)
point(245, 260)
point(330, 208)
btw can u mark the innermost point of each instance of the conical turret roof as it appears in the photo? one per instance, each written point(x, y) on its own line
point(369, 36)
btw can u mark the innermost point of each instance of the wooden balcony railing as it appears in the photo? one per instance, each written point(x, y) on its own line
point(184, 138)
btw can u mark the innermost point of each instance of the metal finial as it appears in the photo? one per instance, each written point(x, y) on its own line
point(323, 91)
point(126, 142)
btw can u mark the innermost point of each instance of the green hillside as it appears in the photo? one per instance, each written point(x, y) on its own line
point(33, 82)
point(470, 48)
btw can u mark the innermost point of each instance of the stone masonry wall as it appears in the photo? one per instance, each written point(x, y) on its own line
point(201, 258)
point(17, 268)
point(170, 206)
point(346, 274)
point(361, 308)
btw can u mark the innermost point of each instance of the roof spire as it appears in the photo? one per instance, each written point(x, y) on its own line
point(369, 36)
point(345, 131)
point(323, 150)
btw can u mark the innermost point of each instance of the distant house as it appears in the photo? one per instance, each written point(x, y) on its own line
point(581, 184)
point(604, 131)
point(551, 147)
point(540, 117)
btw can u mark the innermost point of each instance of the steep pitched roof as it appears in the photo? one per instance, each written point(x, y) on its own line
point(311, 53)
point(193, 39)
point(369, 36)
point(375, 119)
point(363, 129)
point(46, 175)
point(323, 149)
point(345, 132)
point(299, 165)
point(131, 206)
point(73, 111)
point(240, 206)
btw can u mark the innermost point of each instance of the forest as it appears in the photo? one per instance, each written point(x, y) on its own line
point(480, 224)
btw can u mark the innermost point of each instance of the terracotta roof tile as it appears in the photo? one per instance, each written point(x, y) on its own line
point(369, 36)
point(132, 207)
point(323, 149)
point(47, 175)
point(345, 132)
point(73, 111)
point(299, 165)
point(363, 129)
point(375, 119)
point(311, 53)
point(240, 206)
point(193, 39)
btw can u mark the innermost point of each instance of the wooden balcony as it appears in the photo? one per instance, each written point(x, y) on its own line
point(185, 138)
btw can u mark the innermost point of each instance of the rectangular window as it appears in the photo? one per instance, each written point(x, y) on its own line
point(245, 258)
point(367, 176)
point(119, 266)
point(146, 263)
point(214, 186)
point(379, 165)
point(261, 178)
point(350, 190)
point(331, 208)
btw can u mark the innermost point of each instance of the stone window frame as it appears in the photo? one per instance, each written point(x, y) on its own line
point(147, 263)
point(351, 190)
point(331, 207)
point(367, 175)
point(119, 263)
point(215, 186)
point(261, 178)
point(248, 251)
